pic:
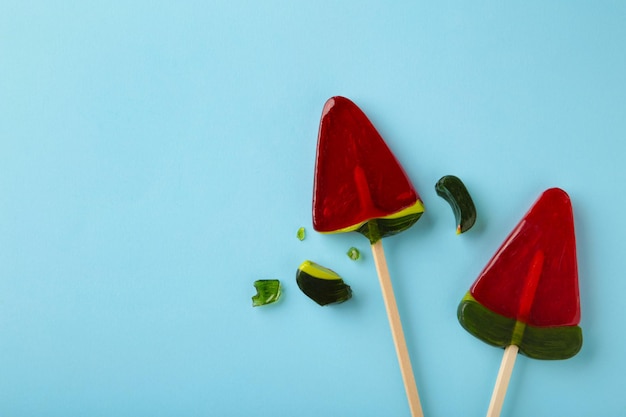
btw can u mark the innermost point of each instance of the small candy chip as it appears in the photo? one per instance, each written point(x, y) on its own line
point(301, 234)
point(353, 253)
point(322, 285)
point(268, 292)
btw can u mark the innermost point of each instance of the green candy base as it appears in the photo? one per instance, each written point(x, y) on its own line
point(550, 343)
point(377, 229)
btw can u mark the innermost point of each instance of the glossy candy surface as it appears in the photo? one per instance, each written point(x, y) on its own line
point(527, 294)
point(268, 292)
point(322, 285)
point(359, 184)
point(452, 189)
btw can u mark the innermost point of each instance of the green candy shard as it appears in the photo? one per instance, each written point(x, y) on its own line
point(301, 234)
point(558, 342)
point(268, 292)
point(353, 253)
point(452, 189)
point(322, 285)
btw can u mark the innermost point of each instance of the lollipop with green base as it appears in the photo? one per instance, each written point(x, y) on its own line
point(526, 299)
point(360, 186)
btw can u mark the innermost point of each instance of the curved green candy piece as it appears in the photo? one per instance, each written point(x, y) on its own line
point(268, 292)
point(452, 189)
point(322, 285)
point(557, 342)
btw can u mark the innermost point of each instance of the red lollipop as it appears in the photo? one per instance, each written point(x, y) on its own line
point(526, 299)
point(360, 186)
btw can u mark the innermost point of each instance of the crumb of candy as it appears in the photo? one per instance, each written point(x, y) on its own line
point(301, 234)
point(353, 253)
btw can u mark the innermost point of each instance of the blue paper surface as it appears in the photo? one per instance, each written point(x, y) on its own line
point(157, 158)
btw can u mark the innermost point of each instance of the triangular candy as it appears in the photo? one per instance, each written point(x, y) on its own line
point(358, 179)
point(527, 294)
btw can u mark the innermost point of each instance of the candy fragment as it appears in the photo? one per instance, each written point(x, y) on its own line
point(268, 292)
point(322, 285)
point(301, 234)
point(353, 253)
point(452, 189)
point(527, 295)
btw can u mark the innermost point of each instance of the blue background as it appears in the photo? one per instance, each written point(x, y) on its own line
point(157, 158)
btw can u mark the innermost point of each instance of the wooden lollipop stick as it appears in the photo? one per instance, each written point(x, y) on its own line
point(510, 353)
point(502, 381)
point(396, 329)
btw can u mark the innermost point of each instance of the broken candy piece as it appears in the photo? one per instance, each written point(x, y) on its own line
point(322, 285)
point(452, 189)
point(301, 233)
point(353, 253)
point(268, 292)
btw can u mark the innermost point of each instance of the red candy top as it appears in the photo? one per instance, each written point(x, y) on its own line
point(357, 178)
point(533, 277)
